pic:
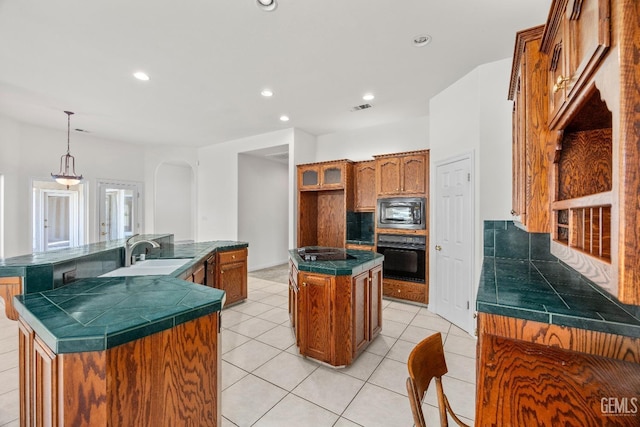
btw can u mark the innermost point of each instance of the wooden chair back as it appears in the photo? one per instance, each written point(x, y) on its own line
point(425, 363)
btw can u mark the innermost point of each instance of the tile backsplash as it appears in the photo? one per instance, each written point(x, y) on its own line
point(503, 239)
point(360, 226)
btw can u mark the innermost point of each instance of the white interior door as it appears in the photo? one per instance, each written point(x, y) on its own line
point(119, 210)
point(454, 242)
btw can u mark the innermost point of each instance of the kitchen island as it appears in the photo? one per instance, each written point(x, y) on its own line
point(103, 344)
point(121, 351)
point(335, 302)
point(553, 348)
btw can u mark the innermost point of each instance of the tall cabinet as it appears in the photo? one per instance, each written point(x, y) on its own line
point(576, 101)
point(324, 196)
point(532, 147)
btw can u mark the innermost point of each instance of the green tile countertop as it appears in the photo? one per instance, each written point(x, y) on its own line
point(362, 261)
point(197, 251)
point(96, 314)
point(549, 292)
point(67, 254)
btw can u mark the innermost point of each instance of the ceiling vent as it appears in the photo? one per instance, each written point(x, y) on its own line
point(361, 107)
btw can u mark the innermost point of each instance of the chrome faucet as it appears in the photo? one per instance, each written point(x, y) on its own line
point(128, 248)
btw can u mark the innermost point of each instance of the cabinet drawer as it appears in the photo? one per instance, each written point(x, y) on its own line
point(232, 256)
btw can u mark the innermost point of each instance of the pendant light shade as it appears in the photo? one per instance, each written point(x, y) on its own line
point(67, 175)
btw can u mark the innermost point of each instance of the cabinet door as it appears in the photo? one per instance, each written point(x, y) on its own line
point(315, 315)
point(388, 175)
point(365, 186)
point(309, 177)
point(557, 74)
point(413, 171)
point(360, 311)
point(25, 354)
point(332, 176)
point(232, 274)
point(293, 297)
point(45, 372)
point(582, 39)
point(375, 297)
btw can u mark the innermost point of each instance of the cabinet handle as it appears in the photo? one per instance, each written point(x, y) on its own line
point(221, 271)
point(233, 257)
point(561, 83)
point(304, 284)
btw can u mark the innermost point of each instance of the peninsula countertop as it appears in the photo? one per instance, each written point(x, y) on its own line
point(100, 313)
point(549, 292)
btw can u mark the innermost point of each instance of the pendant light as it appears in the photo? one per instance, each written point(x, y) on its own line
point(67, 175)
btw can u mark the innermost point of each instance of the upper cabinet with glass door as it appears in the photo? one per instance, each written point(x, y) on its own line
point(323, 176)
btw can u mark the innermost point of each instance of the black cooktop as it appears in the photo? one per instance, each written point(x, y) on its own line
point(315, 253)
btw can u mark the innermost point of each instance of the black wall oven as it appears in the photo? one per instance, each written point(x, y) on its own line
point(404, 256)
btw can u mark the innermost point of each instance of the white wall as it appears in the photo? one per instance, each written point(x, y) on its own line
point(218, 175)
point(174, 204)
point(263, 220)
point(28, 152)
point(474, 115)
point(360, 144)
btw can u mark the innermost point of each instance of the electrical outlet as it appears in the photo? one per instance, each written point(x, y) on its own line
point(69, 276)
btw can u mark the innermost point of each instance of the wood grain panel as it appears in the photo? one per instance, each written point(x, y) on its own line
point(188, 360)
point(84, 391)
point(524, 384)
point(341, 320)
point(628, 24)
point(331, 219)
point(365, 186)
point(315, 315)
point(413, 174)
point(405, 290)
point(131, 382)
point(537, 144)
point(10, 287)
point(585, 165)
point(562, 337)
point(25, 370)
point(307, 218)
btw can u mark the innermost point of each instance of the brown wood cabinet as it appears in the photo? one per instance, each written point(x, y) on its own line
point(588, 149)
point(138, 383)
point(322, 176)
point(365, 186)
point(322, 209)
point(532, 148)
point(402, 174)
point(336, 316)
point(231, 275)
point(293, 297)
point(577, 38)
point(532, 373)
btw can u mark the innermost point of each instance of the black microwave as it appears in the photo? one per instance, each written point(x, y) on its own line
point(402, 212)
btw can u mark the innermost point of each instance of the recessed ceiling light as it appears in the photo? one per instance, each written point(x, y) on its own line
point(284, 118)
point(140, 75)
point(368, 96)
point(267, 5)
point(266, 93)
point(421, 40)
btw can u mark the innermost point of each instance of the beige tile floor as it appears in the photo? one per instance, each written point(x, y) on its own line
point(265, 382)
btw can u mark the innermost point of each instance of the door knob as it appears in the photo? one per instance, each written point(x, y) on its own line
point(438, 248)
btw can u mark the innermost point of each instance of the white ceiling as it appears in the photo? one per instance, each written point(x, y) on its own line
point(209, 59)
